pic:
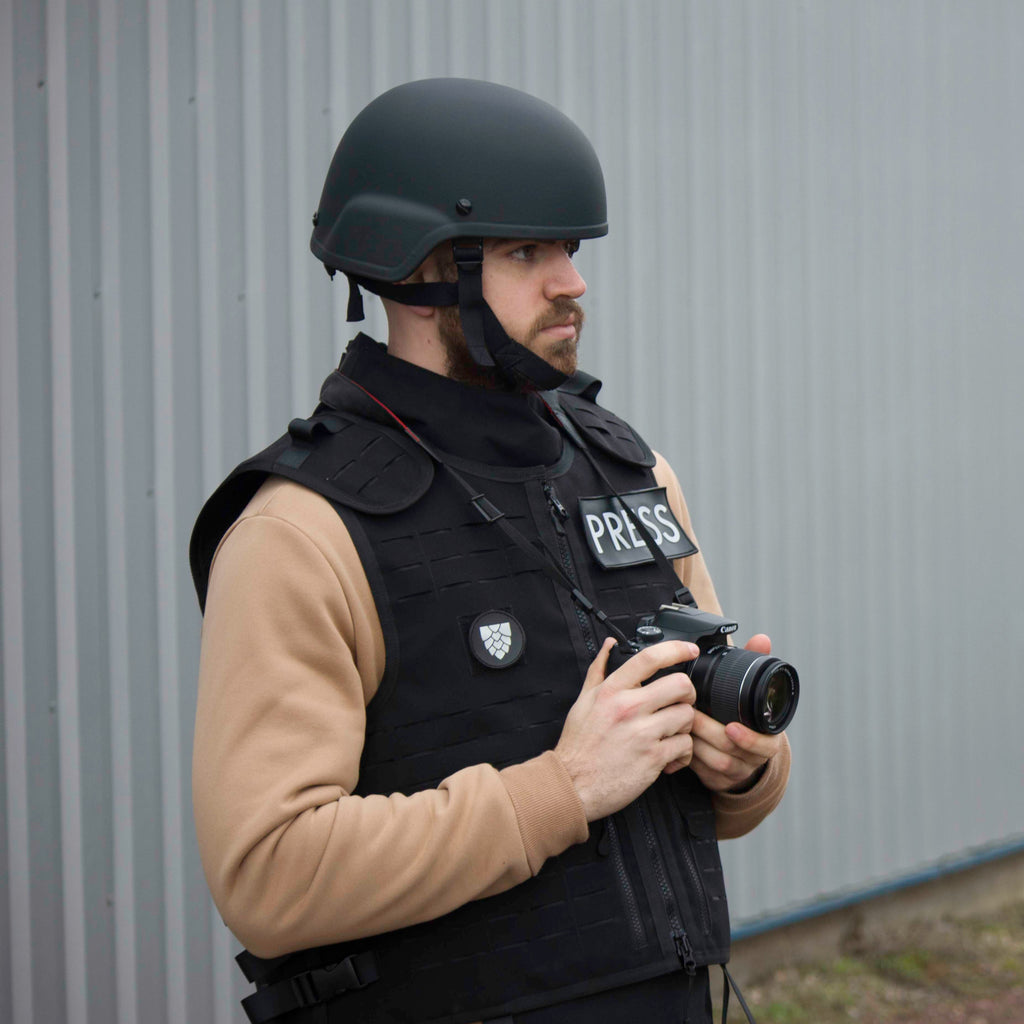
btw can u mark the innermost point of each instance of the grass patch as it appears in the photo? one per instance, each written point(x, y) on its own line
point(939, 972)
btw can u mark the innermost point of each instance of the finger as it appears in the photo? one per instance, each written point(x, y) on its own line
point(712, 780)
point(759, 643)
point(675, 688)
point(736, 738)
point(763, 745)
point(674, 720)
point(716, 736)
point(678, 751)
point(650, 660)
point(712, 731)
point(599, 666)
point(734, 767)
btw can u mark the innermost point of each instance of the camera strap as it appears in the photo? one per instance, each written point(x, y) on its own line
point(489, 512)
point(727, 982)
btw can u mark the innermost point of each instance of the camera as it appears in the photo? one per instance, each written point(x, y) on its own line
point(732, 685)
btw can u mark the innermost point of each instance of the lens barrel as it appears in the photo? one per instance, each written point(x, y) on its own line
point(736, 685)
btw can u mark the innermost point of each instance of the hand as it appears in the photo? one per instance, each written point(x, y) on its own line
point(620, 734)
point(726, 757)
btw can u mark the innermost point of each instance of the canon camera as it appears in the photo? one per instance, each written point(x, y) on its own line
point(732, 685)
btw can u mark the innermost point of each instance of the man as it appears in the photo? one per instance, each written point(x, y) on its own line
point(421, 793)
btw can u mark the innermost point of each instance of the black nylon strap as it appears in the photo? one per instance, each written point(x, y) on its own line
point(422, 293)
point(354, 313)
point(469, 260)
point(537, 553)
point(727, 982)
point(310, 988)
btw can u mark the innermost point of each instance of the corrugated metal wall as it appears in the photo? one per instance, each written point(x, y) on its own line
point(810, 300)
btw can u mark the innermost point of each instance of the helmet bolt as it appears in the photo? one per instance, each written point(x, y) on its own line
point(464, 207)
point(316, 218)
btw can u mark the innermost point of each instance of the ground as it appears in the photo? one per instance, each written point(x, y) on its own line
point(941, 972)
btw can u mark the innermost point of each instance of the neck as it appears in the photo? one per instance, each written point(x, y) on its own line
point(413, 336)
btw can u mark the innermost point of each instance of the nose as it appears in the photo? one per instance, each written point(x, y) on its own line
point(564, 278)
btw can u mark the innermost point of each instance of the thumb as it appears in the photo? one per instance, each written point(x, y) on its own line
point(759, 643)
point(599, 666)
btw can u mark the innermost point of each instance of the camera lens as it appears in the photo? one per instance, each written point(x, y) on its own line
point(742, 686)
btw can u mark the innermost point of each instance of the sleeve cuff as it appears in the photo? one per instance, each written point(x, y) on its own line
point(549, 811)
point(736, 814)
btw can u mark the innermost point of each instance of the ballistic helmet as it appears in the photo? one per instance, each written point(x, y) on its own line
point(455, 159)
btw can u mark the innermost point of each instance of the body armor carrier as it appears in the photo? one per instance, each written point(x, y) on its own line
point(644, 896)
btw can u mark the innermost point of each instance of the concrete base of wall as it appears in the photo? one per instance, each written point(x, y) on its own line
point(966, 893)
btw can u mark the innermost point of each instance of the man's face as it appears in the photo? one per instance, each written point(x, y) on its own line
point(531, 287)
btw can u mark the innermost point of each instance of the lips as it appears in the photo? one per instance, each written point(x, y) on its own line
point(562, 330)
point(561, 323)
point(566, 328)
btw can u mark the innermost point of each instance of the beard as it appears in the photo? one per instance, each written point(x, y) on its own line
point(560, 353)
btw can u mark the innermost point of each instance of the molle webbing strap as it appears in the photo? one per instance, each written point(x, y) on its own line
point(536, 552)
point(306, 988)
point(490, 513)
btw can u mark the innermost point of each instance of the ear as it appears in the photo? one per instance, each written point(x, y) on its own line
point(424, 311)
point(401, 309)
point(427, 271)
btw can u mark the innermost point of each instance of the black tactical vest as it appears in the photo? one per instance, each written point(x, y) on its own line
point(644, 896)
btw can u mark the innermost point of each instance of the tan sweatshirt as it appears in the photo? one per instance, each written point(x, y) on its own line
point(292, 653)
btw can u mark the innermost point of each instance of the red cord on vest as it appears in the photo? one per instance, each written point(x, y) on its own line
point(397, 419)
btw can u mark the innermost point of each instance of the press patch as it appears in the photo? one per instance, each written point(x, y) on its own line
point(496, 639)
point(613, 537)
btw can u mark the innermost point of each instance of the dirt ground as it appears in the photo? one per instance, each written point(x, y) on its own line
point(941, 972)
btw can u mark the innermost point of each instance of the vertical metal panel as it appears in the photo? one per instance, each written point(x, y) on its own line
point(809, 301)
point(122, 984)
point(15, 902)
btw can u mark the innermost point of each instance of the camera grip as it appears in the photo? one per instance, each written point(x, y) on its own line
point(621, 653)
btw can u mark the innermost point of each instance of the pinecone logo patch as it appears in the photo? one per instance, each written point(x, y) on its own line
point(497, 639)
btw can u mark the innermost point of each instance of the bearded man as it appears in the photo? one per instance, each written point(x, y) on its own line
point(421, 791)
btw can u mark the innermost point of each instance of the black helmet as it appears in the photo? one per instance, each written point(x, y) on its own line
point(455, 158)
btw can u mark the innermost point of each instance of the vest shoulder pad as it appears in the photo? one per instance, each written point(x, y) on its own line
point(603, 429)
point(351, 461)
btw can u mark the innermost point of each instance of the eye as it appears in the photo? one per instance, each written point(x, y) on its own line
point(523, 253)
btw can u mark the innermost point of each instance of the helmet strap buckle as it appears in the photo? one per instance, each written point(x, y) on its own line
point(469, 256)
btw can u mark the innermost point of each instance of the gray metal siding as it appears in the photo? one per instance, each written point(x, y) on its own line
point(810, 301)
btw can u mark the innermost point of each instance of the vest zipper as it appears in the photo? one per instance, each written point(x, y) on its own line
point(629, 897)
point(685, 953)
point(680, 939)
point(689, 859)
point(559, 515)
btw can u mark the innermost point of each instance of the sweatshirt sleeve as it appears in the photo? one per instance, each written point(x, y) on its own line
point(292, 652)
point(736, 814)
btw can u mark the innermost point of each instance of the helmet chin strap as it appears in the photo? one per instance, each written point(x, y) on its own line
point(488, 343)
